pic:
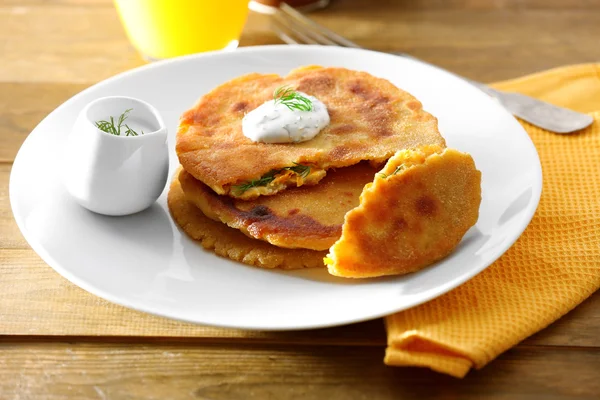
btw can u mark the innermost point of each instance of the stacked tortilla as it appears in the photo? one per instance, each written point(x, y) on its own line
point(284, 205)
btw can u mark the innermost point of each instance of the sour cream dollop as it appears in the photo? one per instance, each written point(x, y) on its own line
point(276, 123)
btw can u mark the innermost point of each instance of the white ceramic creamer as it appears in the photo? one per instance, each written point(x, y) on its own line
point(116, 175)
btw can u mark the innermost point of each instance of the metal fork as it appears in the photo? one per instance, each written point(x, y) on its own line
point(294, 28)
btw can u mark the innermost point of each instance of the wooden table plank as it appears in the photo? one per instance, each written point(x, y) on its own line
point(484, 44)
point(57, 43)
point(35, 300)
point(60, 342)
point(10, 236)
point(54, 371)
point(23, 106)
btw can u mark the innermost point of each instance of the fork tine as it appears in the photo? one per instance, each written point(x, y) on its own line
point(292, 33)
point(312, 26)
point(282, 35)
point(286, 24)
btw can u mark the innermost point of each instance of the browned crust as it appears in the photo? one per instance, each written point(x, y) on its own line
point(231, 243)
point(370, 120)
point(306, 217)
point(409, 220)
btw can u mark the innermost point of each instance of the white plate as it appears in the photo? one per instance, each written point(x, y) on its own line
point(144, 262)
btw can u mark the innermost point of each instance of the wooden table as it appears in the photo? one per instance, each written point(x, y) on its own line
point(59, 342)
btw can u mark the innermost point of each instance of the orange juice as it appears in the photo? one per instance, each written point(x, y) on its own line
point(170, 28)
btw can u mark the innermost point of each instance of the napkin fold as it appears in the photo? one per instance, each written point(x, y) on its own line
point(554, 265)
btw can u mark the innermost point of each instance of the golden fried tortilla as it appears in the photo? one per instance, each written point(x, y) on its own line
point(413, 214)
point(231, 243)
point(370, 120)
point(309, 217)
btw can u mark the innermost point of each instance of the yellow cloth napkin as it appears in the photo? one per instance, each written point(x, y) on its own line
point(553, 267)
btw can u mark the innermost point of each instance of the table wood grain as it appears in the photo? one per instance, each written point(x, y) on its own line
point(59, 342)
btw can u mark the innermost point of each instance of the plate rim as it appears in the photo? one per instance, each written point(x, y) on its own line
point(385, 311)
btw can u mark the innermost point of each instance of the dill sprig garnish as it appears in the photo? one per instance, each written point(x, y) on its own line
point(302, 170)
point(292, 99)
point(262, 181)
point(110, 127)
point(398, 169)
point(299, 169)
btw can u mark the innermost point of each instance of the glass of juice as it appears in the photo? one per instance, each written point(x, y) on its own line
point(170, 28)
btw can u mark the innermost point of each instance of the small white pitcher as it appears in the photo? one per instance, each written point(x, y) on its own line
point(117, 175)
